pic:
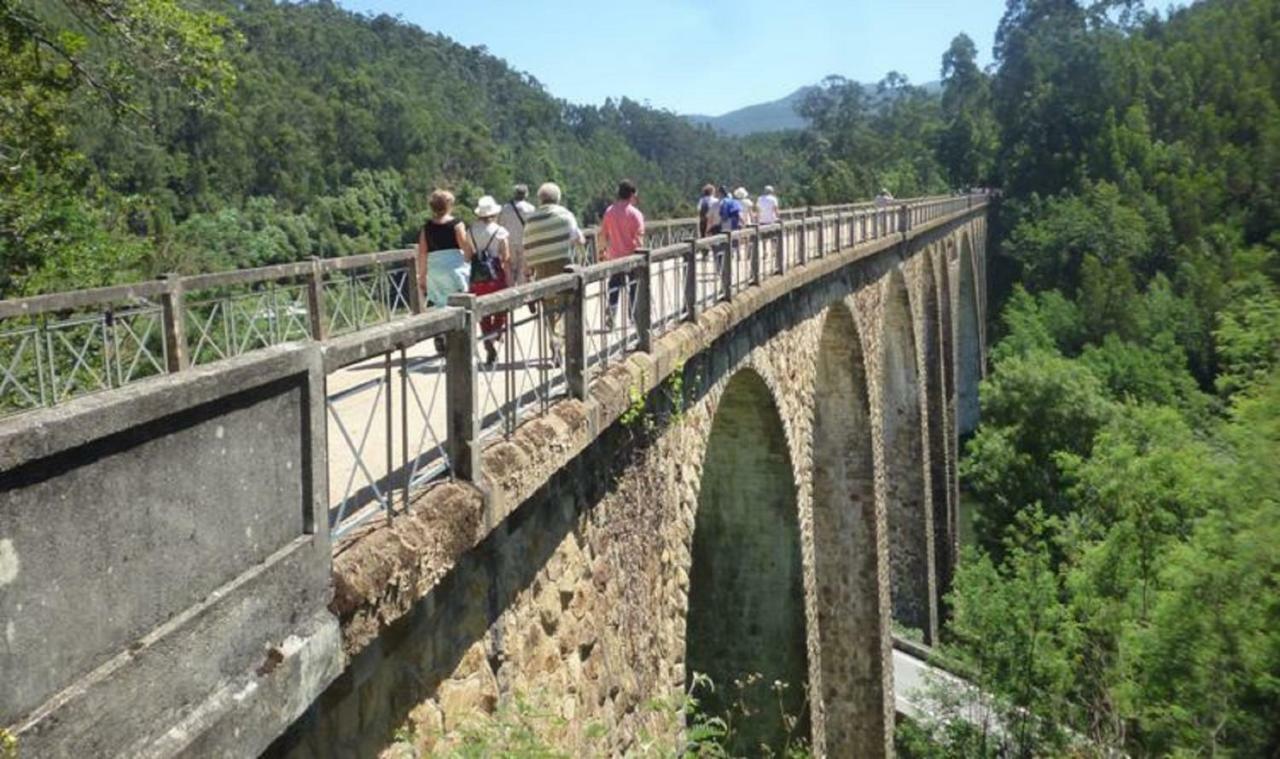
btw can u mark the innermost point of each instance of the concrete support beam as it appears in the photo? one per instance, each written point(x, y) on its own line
point(461, 390)
point(644, 303)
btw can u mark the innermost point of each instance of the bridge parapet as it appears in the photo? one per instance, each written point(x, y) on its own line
point(159, 547)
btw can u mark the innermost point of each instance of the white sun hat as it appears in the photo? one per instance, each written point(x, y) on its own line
point(488, 207)
point(740, 193)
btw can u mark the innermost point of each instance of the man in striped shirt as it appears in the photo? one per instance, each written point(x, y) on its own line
point(551, 234)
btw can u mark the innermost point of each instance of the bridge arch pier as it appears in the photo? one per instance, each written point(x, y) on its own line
point(939, 426)
point(746, 604)
point(848, 552)
point(910, 529)
point(968, 340)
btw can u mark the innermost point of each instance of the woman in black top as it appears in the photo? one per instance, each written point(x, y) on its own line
point(443, 231)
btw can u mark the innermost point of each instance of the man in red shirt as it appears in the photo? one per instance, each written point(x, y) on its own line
point(621, 234)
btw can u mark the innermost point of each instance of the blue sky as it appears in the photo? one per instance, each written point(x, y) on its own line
point(704, 56)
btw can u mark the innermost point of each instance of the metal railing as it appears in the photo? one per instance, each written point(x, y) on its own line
point(386, 392)
point(411, 394)
point(60, 346)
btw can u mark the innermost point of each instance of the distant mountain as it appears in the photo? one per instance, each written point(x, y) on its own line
point(776, 115)
point(773, 116)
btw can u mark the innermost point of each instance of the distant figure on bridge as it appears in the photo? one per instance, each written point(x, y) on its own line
point(514, 215)
point(444, 254)
point(550, 237)
point(708, 211)
point(489, 265)
point(767, 206)
point(621, 234)
point(730, 211)
point(882, 209)
point(747, 213)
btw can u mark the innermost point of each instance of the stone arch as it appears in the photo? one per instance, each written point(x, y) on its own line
point(907, 507)
point(746, 606)
point(936, 434)
point(851, 627)
point(968, 343)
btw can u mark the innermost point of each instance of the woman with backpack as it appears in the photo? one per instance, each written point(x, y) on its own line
point(490, 263)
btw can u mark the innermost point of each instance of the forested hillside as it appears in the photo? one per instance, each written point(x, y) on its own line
point(1124, 593)
point(200, 135)
point(142, 138)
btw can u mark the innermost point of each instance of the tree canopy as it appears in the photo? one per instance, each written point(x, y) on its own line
point(1120, 595)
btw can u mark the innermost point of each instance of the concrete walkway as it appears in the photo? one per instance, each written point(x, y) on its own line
point(367, 418)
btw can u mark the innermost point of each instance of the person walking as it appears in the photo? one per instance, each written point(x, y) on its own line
point(621, 234)
point(514, 215)
point(707, 210)
point(767, 207)
point(444, 254)
point(730, 211)
point(882, 210)
point(550, 237)
point(490, 242)
point(746, 214)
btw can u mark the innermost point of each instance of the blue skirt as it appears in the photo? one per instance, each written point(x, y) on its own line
point(447, 273)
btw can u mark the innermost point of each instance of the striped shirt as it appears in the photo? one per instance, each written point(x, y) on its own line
point(550, 234)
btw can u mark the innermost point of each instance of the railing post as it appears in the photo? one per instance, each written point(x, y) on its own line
point(575, 334)
point(411, 277)
point(755, 254)
point(803, 253)
point(781, 252)
point(315, 300)
point(173, 311)
point(691, 282)
point(463, 440)
point(726, 268)
point(904, 219)
point(822, 236)
point(644, 303)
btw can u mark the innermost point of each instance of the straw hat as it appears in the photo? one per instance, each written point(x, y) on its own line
point(488, 207)
point(740, 193)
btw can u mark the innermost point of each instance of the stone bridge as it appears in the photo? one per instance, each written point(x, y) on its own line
point(758, 484)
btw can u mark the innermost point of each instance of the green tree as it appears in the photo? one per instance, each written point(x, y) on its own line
point(967, 142)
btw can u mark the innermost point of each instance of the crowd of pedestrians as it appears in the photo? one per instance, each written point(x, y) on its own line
point(516, 242)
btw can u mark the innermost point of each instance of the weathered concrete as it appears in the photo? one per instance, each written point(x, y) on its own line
point(168, 563)
point(568, 581)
